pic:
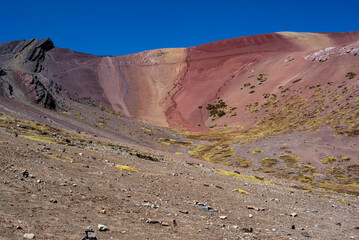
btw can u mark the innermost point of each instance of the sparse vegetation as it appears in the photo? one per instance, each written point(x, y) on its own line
point(217, 109)
point(262, 77)
point(241, 176)
point(354, 168)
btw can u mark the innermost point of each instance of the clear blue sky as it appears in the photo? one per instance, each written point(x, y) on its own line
point(109, 27)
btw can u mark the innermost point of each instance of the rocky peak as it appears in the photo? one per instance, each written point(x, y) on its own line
point(33, 51)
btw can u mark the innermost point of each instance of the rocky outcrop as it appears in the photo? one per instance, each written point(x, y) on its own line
point(6, 88)
point(33, 52)
point(41, 94)
point(22, 79)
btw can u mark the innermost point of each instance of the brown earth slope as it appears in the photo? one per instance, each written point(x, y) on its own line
point(57, 184)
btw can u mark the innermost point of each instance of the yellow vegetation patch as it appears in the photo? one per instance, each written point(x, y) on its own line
point(244, 163)
point(40, 138)
point(169, 141)
point(329, 160)
point(354, 168)
point(178, 153)
point(241, 191)
point(352, 188)
point(339, 175)
point(257, 151)
point(125, 168)
point(347, 159)
point(289, 159)
point(307, 169)
point(269, 162)
point(146, 129)
point(342, 201)
point(305, 179)
point(60, 158)
point(241, 176)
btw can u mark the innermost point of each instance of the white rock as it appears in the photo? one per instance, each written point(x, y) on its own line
point(29, 236)
point(102, 227)
point(293, 214)
point(223, 217)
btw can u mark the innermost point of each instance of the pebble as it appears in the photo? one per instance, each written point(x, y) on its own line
point(293, 214)
point(184, 211)
point(223, 217)
point(29, 236)
point(152, 221)
point(247, 230)
point(250, 215)
point(305, 234)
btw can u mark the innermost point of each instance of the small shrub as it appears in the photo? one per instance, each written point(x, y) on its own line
point(269, 162)
point(350, 75)
point(285, 90)
point(305, 179)
point(257, 151)
point(329, 160)
point(289, 159)
point(262, 77)
point(244, 163)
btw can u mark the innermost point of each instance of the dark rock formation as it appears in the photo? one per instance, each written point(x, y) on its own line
point(5, 87)
point(43, 95)
point(21, 78)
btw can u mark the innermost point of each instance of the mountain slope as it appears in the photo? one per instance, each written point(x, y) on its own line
point(231, 102)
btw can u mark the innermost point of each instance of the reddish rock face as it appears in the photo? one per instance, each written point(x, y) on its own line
point(193, 88)
point(230, 70)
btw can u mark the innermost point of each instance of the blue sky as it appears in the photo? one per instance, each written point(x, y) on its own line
point(108, 27)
